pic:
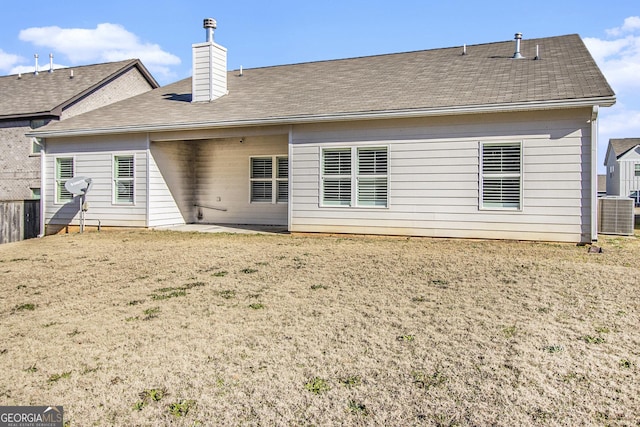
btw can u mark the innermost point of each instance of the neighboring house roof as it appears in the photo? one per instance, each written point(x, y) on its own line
point(47, 94)
point(621, 146)
point(428, 82)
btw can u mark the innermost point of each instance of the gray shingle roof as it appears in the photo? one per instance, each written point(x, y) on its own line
point(422, 81)
point(47, 93)
point(622, 145)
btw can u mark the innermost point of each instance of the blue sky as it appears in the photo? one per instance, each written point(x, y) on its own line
point(262, 33)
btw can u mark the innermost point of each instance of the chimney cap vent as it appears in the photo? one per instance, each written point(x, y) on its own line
point(210, 23)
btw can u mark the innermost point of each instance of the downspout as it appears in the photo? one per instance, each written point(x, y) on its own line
point(43, 187)
point(147, 184)
point(594, 173)
point(290, 166)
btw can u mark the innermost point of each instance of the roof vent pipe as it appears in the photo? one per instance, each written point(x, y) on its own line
point(36, 70)
point(51, 62)
point(517, 54)
point(210, 25)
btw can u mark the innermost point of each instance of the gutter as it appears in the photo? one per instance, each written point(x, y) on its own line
point(334, 117)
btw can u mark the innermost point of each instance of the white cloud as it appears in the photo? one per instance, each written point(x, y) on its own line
point(105, 43)
point(8, 60)
point(619, 60)
point(618, 56)
point(630, 24)
point(619, 120)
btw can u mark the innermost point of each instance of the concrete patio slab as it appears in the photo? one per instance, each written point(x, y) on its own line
point(229, 228)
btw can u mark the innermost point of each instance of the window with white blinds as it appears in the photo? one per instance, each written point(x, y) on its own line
point(363, 168)
point(372, 177)
point(64, 172)
point(336, 177)
point(123, 179)
point(282, 179)
point(501, 166)
point(269, 179)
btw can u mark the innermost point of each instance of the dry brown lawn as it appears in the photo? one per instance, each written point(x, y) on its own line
point(162, 328)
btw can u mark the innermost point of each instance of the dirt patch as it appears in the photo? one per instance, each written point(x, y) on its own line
point(156, 328)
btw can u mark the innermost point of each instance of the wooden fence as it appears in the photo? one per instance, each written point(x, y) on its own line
point(19, 219)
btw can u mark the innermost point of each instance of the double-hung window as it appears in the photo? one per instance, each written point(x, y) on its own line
point(336, 177)
point(123, 180)
point(501, 176)
point(637, 169)
point(269, 179)
point(64, 172)
point(355, 177)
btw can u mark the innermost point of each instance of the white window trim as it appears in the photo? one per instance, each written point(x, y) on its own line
point(481, 177)
point(36, 141)
point(353, 204)
point(636, 170)
point(56, 199)
point(114, 200)
point(351, 176)
point(274, 179)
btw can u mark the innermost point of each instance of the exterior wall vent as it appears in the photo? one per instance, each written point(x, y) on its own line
point(615, 215)
point(209, 80)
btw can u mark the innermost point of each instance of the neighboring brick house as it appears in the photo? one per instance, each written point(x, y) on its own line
point(31, 100)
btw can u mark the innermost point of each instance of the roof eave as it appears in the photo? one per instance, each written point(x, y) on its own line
point(30, 115)
point(366, 115)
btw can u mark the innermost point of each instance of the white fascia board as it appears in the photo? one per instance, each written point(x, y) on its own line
point(366, 115)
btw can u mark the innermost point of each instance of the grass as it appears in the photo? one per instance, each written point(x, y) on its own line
point(25, 307)
point(55, 377)
point(343, 330)
point(181, 408)
point(317, 385)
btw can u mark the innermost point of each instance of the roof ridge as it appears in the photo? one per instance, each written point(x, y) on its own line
point(380, 55)
point(123, 61)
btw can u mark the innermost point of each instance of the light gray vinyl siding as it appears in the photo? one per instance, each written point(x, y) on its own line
point(94, 159)
point(171, 182)
point(223, 180)
point(209, 71)
point(434, 177)
point(628, 182)
point(613, 173)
